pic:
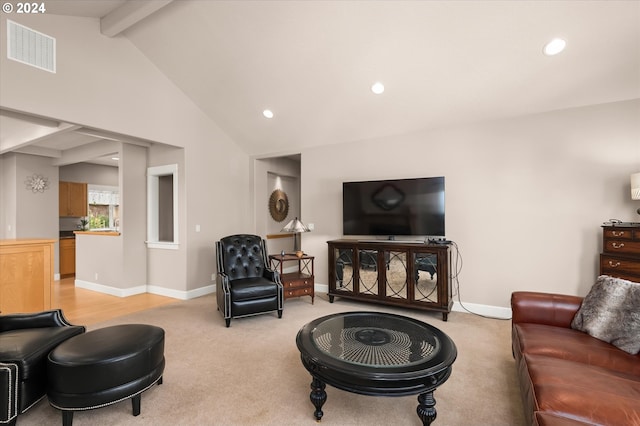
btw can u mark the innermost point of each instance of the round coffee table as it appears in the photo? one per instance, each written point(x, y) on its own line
point(374, 353)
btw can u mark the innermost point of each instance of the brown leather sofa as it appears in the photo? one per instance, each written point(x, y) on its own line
point(566, 376)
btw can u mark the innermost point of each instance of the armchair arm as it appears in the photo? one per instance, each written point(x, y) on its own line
point(544, 308)
point(53, 318)
point(271, 275)
point(222, 283)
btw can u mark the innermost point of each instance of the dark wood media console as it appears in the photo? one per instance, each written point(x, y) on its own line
point(407, 274)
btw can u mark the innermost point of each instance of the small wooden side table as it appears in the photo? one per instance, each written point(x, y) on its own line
point(298, 283)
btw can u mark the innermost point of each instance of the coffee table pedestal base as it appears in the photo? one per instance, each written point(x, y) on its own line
point(426, 403)
point(318, 397)
point(426, 408)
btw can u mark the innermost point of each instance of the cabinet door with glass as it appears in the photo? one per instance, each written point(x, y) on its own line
point(408, 274)
point(425, 286)
point(341, 262)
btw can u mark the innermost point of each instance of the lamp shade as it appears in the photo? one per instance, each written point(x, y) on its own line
point(295, 225)
point(635, 186)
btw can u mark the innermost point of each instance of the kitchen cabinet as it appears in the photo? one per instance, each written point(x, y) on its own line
point(26, 275)
point(72, 199)
point(67, 257)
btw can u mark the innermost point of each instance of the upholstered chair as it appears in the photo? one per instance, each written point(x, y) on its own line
point(25, 342)
point(246, 285)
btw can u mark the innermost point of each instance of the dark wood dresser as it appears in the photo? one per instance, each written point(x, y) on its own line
point(620, 255)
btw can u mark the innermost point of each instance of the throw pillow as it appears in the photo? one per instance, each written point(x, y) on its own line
point(611, 313)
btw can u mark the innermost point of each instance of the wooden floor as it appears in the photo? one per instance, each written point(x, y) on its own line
point(86, 307)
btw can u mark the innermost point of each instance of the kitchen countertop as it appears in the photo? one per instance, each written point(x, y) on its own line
point(102, 233)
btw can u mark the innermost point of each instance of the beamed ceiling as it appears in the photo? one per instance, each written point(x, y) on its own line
point(312, 63)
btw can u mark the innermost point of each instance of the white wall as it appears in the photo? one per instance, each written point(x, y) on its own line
point(525, 197)
point(93, 174)
point(8, 188)
point(36, 213)
point(106, 83)
point(271, 174)
point(159, 275)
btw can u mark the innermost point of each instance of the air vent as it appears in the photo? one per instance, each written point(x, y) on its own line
point(31, 47)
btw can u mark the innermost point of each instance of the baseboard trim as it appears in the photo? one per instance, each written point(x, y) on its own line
point(498, 312)
point(161, 291)
point(179, 294)
point(114, 291)
point(473, 308)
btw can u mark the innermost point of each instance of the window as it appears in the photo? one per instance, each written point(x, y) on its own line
point(104, 207)
point(162, 207)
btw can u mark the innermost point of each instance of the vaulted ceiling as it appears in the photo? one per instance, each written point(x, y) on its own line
point(312, 63)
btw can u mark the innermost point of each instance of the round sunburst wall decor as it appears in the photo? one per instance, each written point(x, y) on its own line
point(37, 183)
point(278, 205)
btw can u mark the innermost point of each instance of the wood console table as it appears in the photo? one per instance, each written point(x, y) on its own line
point(299, 283)
point(407, 274)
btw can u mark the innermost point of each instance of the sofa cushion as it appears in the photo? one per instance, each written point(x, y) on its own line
point(573, 345)
point(548, 419)
point(560, 388)
point(611, 313)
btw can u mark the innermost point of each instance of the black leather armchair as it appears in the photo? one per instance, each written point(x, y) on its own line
point(246, 285)
point(25, 343)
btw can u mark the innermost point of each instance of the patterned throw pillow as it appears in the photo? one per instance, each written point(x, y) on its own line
point(611, 313)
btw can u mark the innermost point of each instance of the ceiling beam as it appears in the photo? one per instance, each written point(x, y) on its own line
point(130, 13)
point(112, 136)
point(41, 151)
point(87, 152)
point(36, 135)
point(45, 122)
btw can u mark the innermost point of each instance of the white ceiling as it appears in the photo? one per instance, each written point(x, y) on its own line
point(313, 62)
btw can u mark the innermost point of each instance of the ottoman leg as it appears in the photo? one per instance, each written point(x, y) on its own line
point(135, 404)
point(67, 418)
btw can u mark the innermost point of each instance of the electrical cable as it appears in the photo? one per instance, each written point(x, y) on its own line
point(457, 263)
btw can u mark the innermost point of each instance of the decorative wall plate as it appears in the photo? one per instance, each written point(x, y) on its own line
point(37, 183)
point(278, 205)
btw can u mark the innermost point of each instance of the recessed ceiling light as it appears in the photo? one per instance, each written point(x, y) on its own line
point(267, 113)
point(554, 47)
point(377, 88)
point(115, 158)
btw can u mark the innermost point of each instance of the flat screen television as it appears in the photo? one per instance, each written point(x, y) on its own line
point(399, 207)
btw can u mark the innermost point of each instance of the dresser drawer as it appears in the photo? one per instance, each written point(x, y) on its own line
point(299, 283)
point(619, 233)
point(620, 267)
point(298, 292)
point(628, 247)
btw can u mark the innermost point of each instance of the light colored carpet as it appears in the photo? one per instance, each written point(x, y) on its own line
point(251, 374)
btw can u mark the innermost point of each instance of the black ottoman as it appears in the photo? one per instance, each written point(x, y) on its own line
point(103, 367)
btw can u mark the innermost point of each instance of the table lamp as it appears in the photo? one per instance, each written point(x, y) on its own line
point(295, 226)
